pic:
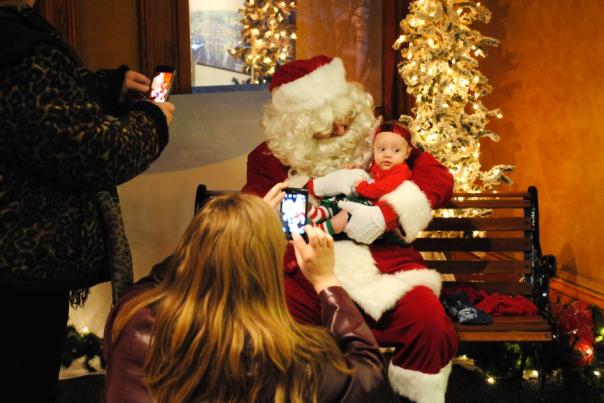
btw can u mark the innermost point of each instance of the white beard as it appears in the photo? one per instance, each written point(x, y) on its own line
point(320, 157)
point(290, 136)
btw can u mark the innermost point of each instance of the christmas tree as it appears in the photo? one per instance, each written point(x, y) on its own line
point(440, 68)
point(268, 37)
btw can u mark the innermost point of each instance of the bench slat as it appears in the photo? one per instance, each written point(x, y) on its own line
point(472, 244)
point(480, 224)
point(487, 204)
point(504, 336)
point(525, 195)
point(506, 320)
point(479, 266)
point(505, 323)
point(507, 328)
point(499, 287)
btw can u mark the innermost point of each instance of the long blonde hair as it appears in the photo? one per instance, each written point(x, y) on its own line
point(222, 330)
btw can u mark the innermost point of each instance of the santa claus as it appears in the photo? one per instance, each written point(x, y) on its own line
point(317, 124)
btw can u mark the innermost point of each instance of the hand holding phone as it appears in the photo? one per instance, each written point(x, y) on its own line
point(136, 82)
point(168, 109)
point(316, 258)
point(161, 83)
point(294, 207)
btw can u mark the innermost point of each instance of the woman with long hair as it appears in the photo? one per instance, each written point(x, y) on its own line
point(211, 324)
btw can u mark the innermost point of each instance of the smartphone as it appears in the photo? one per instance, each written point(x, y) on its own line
point(161, 83)
point(294, 207)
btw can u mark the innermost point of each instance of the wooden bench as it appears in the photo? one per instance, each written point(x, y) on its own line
point(496, 250)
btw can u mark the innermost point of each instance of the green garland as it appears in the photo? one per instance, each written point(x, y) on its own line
point(510, 360)
point(79, 345)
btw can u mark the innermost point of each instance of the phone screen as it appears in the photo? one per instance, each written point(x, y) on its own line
point(160, 86)
point(293, 211)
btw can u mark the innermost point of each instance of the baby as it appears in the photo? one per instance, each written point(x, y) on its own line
point(391, 147)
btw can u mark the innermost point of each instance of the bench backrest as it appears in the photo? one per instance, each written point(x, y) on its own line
point(495, 247)
point(499, 250)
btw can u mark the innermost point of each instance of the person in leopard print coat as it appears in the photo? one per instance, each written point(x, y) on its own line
point(66, 142)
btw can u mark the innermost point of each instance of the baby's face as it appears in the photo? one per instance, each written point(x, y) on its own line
point(389, 149)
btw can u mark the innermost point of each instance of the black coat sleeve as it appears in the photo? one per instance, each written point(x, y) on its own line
point(62, 133)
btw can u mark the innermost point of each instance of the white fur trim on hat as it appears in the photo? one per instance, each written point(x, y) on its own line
point(313, 89)
point(376, 292)
point(418, 386)
point(413, 208)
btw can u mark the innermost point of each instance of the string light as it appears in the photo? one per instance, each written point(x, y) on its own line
point(268, 37)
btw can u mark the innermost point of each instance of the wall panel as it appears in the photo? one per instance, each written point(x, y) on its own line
point(547, 79)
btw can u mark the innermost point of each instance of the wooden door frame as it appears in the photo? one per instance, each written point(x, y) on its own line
point(164, 38)
point(64, 15)
point(395, 100)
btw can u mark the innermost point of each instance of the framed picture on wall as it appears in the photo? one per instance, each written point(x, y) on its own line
point(215, 28)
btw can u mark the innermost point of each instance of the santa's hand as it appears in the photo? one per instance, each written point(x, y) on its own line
point(338, 182)
point(366, 223)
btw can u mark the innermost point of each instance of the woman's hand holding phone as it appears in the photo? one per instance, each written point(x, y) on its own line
point(316, 258)
point(135, 81)
point(168, 109)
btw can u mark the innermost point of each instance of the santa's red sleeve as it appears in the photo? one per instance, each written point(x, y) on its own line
point(387, 184)
point(263, 171)
point(410, 204)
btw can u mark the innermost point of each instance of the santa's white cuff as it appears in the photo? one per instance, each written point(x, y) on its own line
point(412, 207)
point(418, 386)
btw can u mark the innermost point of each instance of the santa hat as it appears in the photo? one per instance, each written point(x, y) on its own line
point(393, 127)
point(307, 84)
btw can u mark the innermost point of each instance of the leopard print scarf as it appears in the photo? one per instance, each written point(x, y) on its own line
point(119, 258)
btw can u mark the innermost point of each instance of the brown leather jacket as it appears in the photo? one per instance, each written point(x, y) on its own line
point(125, 359)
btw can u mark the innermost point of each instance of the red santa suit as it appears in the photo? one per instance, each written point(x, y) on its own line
point(390, 283)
